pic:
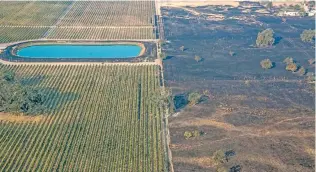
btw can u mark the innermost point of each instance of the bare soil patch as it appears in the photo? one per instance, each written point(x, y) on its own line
point(21, 118)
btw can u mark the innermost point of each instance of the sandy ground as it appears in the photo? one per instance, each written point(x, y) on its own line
point(20, 118)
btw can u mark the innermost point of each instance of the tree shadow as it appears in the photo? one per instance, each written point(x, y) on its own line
point(169, 57)
point(277, 40)
point(180, 101)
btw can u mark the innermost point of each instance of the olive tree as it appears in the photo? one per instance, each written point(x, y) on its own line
point(265, 38)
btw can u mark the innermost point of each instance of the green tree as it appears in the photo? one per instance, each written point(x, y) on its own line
point(163, 56)
point(308, 35)
point(197, 58)
point(194, 98)
point(182, 48)
point(187, 134)
point(265, 38)
point(291, 67)
point(18, 99)
point(219, 157)
point(231, 53)
point(266, 64)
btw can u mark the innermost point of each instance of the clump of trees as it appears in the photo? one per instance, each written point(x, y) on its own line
point(18, 99)
point(265, 38)
point(308, 35)
point(182, 48)
point(266, 64)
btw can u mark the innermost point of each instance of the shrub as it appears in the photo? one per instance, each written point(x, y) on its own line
point(219, 157)
point(197, 58)
point(194, 98)
point(311, 61)
point(308, 35)
point(288, 60)
point(291, 67)
point(196, 133)
point(221, 169)
point(231, 53)
point(187, 134)
point(163, 56)
point(302, 71)
point(265, 38)
point(266, 64)
point(182, 48)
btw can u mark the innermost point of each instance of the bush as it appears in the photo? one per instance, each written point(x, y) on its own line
point(265, 38)
point(182, 48)
point(291, 67)
point(302, 71)
point(308, 35)
point(194, 98)
point(231, 53)
point(187, 134)
point(193, 134)
point(197, 58)
point(266, 64)
point(221, 169)
point(288, 60)
point(311, 61)
point(163, 56)
point(219, 157)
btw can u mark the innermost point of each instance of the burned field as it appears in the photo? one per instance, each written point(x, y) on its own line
point(263, 120)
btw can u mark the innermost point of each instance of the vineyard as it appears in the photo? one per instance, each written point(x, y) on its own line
point(101, 20)
point(110, 13)
point(102, 33)
point(34, 13)
point(101, 118)
point(13, 34)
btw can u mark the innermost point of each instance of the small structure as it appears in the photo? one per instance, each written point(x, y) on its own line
point(289, 13)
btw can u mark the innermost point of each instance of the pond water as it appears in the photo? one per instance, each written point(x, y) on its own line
point(80, 51)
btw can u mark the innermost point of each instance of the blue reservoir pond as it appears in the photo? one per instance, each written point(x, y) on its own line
point(80, 51)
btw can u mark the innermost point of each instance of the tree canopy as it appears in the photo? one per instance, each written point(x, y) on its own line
point(265, 38)
point(18, 99)
point(308, 35)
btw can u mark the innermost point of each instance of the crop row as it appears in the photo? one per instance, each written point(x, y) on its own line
point(103, 118)
point(110, 13)
point(102, 33)
point(13, 34)
point(32, 13)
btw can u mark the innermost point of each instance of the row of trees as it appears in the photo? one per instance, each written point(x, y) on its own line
point(266, 38)
point(18, 99)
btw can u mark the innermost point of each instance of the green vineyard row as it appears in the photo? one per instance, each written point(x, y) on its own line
point(101, 118)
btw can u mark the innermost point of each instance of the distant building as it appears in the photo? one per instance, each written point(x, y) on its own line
point(290, 13)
